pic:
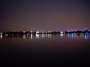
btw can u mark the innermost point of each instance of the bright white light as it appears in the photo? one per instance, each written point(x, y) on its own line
point(37, 32)
point(61, 32)
point(61, 35)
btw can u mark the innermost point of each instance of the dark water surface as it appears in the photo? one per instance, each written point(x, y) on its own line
point(62, 49)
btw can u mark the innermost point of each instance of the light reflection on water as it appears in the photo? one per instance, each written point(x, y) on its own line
point(1, 36)
point(83, 35)
point(24, 36)
point(31, 36)
point(61, 35)
point(86, 36)
point(38, 36)
point(42, 35)
point(46, 46)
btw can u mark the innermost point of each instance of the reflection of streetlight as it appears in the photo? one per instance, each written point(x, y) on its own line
point(42, 35)
point(61, 35)
point(68, 35)
point(73, 35)
point(1, 36)
point(24, 36)
point(37, 35)
point(85, 36)
point(6, 35)
point(49, 35)
point(46, 35)
point(31, 36)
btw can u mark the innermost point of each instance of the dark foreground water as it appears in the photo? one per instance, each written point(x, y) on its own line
point(44, 49)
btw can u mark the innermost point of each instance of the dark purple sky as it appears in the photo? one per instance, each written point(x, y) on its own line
point(59, 15)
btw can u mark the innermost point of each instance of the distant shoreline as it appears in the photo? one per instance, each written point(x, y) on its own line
point(48, 32)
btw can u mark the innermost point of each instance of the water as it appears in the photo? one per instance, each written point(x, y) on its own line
point(45, 49)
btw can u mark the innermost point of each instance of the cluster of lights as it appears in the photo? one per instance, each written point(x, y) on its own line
point(45, 32)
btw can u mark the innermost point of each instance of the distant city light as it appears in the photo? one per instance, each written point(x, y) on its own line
point(42, 31)
point(61, 32)
point(31, 31)
point(37, 32)
point(86, 28)
point(49, 31)
point(24, 31)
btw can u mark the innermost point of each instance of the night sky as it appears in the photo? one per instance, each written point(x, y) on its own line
point(54, 15)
